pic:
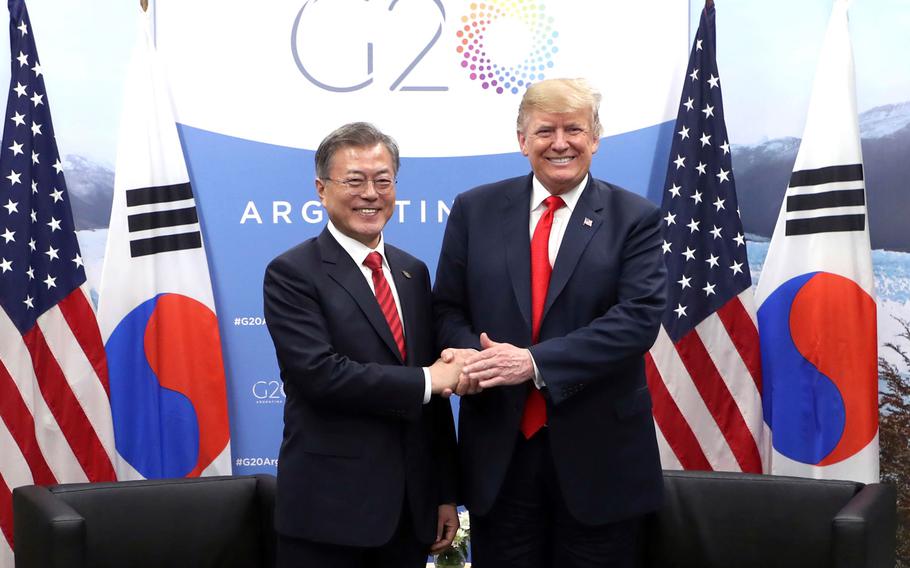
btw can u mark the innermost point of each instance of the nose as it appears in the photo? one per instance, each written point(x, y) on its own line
point(368, 191)
point(560, 140)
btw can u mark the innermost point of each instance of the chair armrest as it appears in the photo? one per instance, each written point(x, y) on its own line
point(864, 530)
point(47, 532)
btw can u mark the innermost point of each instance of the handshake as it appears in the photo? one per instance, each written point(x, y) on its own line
point(468, 371)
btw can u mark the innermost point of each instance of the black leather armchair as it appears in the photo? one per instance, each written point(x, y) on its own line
point(211, 521)
point(729, 520)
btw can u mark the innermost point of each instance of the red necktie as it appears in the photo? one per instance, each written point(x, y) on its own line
point(535, 414)
point(373, 261)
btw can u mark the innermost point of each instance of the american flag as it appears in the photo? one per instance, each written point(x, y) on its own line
point(704, 370)
point(55, 417)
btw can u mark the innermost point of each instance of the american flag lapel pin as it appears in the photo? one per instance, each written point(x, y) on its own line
point(588, 222)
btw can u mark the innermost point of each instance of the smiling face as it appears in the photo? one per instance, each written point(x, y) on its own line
point(559, 146)
point(359, 214)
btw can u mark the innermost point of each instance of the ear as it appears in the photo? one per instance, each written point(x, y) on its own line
point(523, 142)
point(596, 144)
point(320, 190)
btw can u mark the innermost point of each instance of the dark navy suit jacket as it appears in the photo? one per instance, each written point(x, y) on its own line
point(602, 313)
point(358, 441)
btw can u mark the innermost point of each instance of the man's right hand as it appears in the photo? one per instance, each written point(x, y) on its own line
point(465, 386)
point(444, 376)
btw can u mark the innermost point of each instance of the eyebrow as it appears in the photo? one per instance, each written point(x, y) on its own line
point(567, 125)
point(362, 173)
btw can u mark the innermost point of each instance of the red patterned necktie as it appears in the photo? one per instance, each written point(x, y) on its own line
point(373, 261)
point(535, 414)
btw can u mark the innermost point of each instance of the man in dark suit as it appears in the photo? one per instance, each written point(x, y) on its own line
point(557, 279)
point(367, 464)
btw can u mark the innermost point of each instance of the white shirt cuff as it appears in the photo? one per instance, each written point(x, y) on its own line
point(538, 380)
point(428, 385)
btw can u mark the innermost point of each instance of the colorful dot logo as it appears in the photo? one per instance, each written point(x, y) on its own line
point(506, 78)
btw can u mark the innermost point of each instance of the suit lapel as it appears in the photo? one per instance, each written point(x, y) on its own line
point(516, 213)
point(404, 284)
point(341, 268)
point(583, 224)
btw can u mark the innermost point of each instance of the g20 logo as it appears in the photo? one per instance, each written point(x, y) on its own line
point(497, 18)
point(268, 392)
point(362, 78)
point(504, 45)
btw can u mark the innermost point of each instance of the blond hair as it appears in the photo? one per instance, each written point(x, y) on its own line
point(558, 96)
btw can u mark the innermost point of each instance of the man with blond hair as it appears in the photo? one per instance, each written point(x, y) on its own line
point(557, 280)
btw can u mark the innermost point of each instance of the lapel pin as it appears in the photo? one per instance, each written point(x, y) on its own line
point(406, 273)
point(588, 222)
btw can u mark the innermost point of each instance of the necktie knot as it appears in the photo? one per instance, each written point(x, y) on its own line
point(553, 203)
point(373, 261)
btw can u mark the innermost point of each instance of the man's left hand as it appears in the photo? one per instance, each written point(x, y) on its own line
point(446, 527)
point(498, 364)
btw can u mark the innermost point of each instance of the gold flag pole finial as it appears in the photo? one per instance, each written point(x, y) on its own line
point(145, 5)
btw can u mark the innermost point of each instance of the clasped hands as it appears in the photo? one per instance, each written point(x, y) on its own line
point(468, 371)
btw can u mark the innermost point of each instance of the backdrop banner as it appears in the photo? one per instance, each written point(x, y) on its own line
point(255, 93)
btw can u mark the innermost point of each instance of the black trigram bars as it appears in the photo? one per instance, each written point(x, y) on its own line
point(162, 218)
point(850, 197)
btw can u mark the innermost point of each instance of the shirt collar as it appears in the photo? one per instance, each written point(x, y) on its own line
point(356, 249)
point(539, 193)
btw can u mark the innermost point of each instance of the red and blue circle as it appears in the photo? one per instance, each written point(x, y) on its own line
point(819, 363)
point(506, 78)
point(168, 394)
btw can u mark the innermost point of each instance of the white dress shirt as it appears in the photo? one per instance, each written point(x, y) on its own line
point(560, 217)
point(358, 253)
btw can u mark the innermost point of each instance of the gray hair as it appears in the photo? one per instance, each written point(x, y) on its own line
point(358, 135)
point(561, 95)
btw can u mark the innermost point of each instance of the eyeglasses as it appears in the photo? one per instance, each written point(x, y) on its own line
point(356, 186)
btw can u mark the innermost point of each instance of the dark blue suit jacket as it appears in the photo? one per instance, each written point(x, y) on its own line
point(358, 439)
point(602, 313)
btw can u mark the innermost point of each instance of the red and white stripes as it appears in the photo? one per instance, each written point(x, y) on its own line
point(707, 393)
point(55, 415)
